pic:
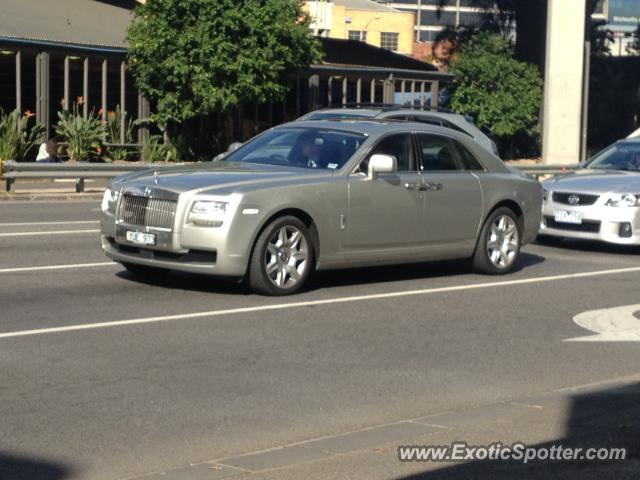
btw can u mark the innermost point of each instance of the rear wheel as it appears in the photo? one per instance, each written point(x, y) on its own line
point(282, 257)
point(498, 247)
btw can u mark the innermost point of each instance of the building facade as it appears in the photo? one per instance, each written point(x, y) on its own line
point(431, 19)
point(363, 20)
point(622, 18)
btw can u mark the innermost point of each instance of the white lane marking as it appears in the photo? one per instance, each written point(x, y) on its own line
point(29, 224)
point(58, 232)
point(311, 303)
point(616, 324)
point(55, 267)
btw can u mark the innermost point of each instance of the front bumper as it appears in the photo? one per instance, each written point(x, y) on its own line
point(221, 251)
point(599, 222)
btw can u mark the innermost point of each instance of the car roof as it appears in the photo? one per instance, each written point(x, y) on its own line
point(391, 109)
point(371, 126)
point(372, 112)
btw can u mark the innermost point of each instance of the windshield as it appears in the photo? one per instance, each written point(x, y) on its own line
point(300, 147)
point(329, 115)
point(618, 157)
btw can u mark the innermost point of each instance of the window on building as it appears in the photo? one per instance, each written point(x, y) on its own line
point(359, 35)
point(389, 41)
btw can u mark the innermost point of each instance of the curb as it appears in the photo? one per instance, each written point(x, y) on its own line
point(32, 197)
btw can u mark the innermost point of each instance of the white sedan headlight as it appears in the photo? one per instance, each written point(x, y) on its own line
point(109, 200)
point(628, 200)
point(208, 213)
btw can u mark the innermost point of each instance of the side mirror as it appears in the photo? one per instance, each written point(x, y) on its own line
point(380, 163)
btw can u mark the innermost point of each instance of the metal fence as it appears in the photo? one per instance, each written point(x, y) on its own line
point(12, 171)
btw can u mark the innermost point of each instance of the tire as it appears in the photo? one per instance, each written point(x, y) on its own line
point(282, 258)
point(549, 240)
point(499, 243)
point(144, 270)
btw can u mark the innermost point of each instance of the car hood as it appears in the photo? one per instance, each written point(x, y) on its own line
point(215, 176)
point(595, 181)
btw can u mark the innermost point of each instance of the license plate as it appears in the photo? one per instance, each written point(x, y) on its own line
point(567, 216)
point(141, 238)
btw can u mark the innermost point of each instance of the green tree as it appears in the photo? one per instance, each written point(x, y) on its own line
point(198, 57)
point(499, 92)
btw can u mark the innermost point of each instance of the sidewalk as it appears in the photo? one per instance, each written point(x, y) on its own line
point(598, 416)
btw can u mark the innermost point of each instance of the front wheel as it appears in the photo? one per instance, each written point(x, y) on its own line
point(282, 257)
point(498, 247)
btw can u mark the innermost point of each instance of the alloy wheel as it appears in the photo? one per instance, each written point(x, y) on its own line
point(503, 241)
point(286, 256)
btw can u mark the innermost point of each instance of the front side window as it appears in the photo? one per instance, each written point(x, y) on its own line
point(438, 153)
point(300, 147)
point(397, 145)
point(389, 41)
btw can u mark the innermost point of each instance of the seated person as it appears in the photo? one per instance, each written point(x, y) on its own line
point(48, 151)
point(306, 152)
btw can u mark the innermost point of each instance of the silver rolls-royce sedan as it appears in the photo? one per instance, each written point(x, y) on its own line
point(324, 195)
point(600, 201)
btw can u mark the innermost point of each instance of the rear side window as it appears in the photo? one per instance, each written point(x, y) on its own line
point(438, 153)
point(453, 126)
point(469, 162)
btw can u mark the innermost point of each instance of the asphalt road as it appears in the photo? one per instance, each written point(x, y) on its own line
point(156, 374)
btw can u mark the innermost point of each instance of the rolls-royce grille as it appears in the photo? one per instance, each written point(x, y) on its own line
point(576, 199)
point(147, 212)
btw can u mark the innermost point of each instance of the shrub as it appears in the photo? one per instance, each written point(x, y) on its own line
point(113, 134)
point(82, 135)
point(153, 150)
point(17, 138)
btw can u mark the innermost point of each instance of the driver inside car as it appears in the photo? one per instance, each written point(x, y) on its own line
point(306, 152)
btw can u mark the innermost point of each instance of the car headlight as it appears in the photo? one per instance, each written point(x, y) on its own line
point(627, 200)
point(545, 195)
point(109, 200)
point(208, 213)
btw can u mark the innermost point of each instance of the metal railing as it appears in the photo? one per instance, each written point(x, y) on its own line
point(12, 171)
point(537, 171)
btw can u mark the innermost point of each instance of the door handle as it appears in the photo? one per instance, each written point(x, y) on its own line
point(416, 186)
point(432, 186)
point(422, 186)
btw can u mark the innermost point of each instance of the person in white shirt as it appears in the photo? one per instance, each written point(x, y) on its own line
point(48, 151)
